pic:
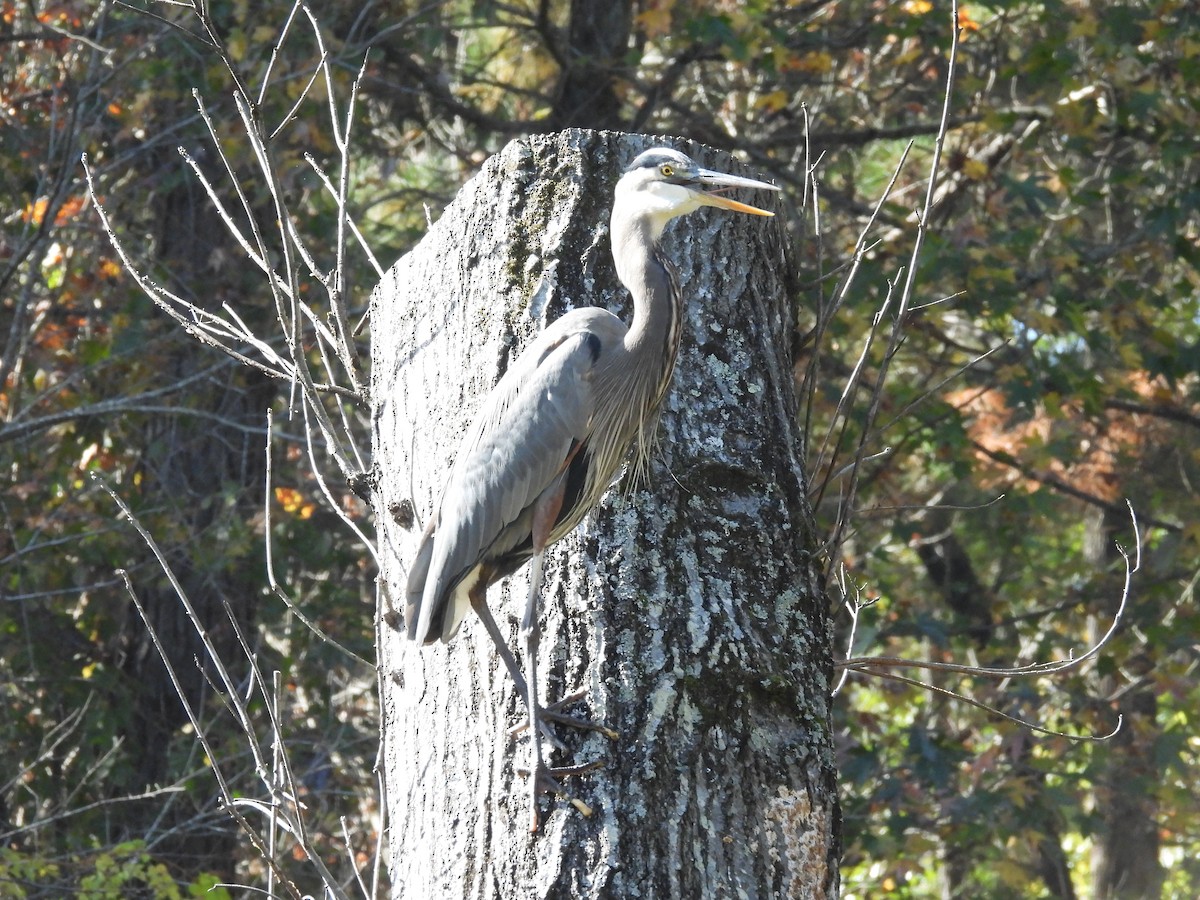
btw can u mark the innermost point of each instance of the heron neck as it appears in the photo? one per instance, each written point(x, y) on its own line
point(632, 383)
point(652, 282)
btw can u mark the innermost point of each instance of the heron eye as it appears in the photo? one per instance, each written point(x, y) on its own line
point(667, 171)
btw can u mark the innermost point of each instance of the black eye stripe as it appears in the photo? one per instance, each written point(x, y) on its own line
point(658, 157)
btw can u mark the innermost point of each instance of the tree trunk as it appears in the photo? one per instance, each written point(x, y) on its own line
point(691, 611)
point(1125, 852)
point(597, 40)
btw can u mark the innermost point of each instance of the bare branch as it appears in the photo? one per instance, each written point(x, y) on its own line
point(827, 314)
point(206, 327)
point(1064, 487)
point(978, 704)
point(362, 242)
point(284, 806)
point(905, 298)
point(1170, 412)
point(883, 666)
point(271, 580)
point(201, 734)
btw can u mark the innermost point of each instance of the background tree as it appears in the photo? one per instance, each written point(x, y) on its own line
point(1061, 373)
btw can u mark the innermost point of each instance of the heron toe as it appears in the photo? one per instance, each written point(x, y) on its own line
point(553, 713)
point(549, 781)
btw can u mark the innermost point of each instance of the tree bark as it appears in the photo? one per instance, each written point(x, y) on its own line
point(1125, 852)
point(692, 611)
point(597, 39)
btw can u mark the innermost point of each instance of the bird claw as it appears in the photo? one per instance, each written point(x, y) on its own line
point(549, 782)
point(552, 712)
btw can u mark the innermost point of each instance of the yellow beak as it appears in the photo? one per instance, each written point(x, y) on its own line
point(714, 184)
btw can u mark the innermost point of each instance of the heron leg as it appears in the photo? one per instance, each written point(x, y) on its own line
point(529, 630)
point(541, 778)
point(551, 712)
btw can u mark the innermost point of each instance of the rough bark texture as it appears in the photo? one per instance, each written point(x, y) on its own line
point(690, 611)
point(597, 39)
point(1125, 852)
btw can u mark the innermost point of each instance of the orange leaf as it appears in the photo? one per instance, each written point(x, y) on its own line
point(293, 502)
point(36, 211)
point(70, 208)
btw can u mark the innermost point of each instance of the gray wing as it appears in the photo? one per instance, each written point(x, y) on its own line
point(519, 444)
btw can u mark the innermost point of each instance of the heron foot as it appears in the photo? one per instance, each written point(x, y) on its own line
point(549, 781)
point(552, 712)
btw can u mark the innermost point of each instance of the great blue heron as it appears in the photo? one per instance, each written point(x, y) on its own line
point(551, 435)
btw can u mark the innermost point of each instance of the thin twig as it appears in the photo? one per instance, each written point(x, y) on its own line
point(283, 33)
point(227, 798)
point(979, 704)
point(883, 666)
point(905, 298)
point(827, 315)
point(276, 588)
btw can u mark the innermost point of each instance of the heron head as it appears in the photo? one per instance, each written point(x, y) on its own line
point(663, 183)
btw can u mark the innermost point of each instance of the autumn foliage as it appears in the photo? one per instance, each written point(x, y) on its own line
point(1044, 383)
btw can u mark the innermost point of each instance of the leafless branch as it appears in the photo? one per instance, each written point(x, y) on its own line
point(884, 666)
point(828, 311)
point(978, 704)
point(906, 292)
point(1064, 487)
point(284, 807)
point(311, 331)
point(1169, 412)
point(276, 588)
point(156, 794)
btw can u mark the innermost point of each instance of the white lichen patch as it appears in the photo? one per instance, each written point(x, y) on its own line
point(689, 713)
point(712, 540)
point(800, 839)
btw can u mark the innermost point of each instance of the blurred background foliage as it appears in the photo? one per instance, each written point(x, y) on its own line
point(1048, 373)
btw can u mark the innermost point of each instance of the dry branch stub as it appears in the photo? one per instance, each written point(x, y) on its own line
point(690, 611)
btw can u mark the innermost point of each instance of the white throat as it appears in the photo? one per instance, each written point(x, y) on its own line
point(655, 202)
